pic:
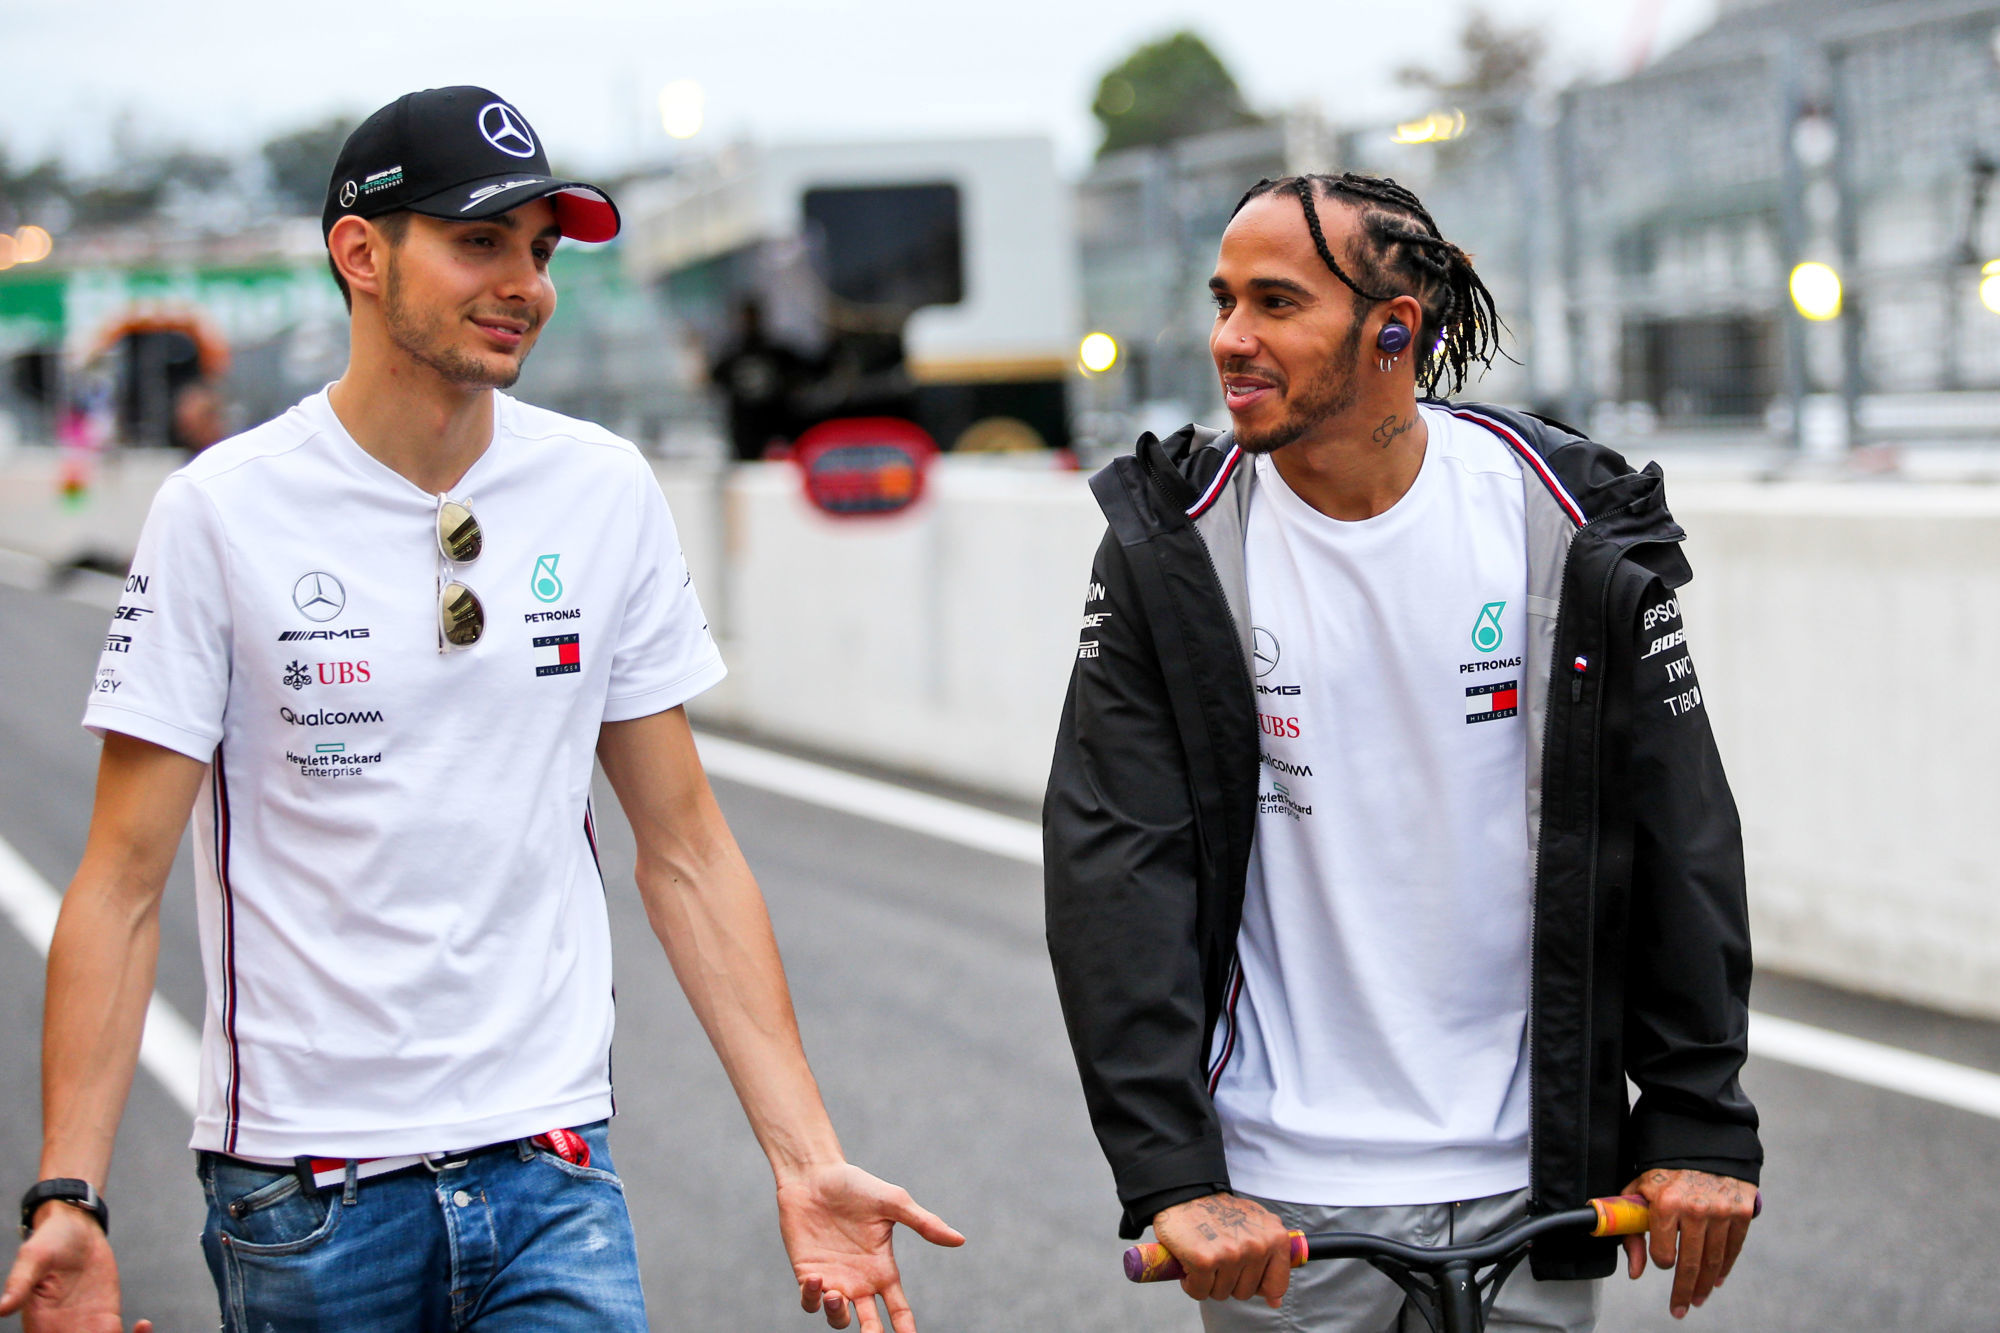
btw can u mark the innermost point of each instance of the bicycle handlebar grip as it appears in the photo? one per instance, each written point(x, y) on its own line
point(1627, 1214)
point(1621, 1215)
point(1150, 1261)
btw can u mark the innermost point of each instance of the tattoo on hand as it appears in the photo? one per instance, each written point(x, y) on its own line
point(1225, 1214)
point(1392, 427)
point(1700, 1184)
point(1207, 1231)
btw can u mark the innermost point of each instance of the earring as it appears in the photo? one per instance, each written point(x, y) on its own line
point(1385, 364)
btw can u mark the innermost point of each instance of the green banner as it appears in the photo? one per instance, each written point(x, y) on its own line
point(246, 305)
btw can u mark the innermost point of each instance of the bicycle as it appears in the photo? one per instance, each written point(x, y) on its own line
point(1443, 1282)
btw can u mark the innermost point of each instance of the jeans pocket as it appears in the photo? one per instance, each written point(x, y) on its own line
point(568, 1168)
point(268, 1212)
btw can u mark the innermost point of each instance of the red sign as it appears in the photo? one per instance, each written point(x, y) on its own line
point(864, 467)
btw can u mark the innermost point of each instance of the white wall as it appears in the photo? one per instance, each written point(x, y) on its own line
point(1847, 636)
point(938, 640)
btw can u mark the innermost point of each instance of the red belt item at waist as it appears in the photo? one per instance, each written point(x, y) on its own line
point(564, 1143)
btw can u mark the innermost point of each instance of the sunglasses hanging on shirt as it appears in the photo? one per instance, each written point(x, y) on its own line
point(461, 617)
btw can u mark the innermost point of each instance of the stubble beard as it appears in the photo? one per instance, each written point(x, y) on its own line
point(425, 341)
point(1332, 391)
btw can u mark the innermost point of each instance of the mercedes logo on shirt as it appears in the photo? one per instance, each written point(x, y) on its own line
point(319, 596)
point(1263, 650)
point(503, 127)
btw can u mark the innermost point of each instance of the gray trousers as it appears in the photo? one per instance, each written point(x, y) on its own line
point(1349, 1296)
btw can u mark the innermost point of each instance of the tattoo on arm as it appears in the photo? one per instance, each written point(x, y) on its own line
point(1391, 428)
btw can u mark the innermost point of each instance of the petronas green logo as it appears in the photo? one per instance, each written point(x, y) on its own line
point(1486, 629)
point(547, 587)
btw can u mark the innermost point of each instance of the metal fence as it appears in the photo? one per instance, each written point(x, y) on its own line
point(1640, 236)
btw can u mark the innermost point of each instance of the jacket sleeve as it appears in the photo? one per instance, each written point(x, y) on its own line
point(1120, 855)
point(1688, 982)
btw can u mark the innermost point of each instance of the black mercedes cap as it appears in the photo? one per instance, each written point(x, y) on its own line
point(459, 153)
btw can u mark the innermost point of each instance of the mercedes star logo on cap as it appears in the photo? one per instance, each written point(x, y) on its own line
point(347, 193)
point(504, 129)
point(319, 596)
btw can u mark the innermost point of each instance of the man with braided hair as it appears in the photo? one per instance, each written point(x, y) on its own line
point(1386, 835)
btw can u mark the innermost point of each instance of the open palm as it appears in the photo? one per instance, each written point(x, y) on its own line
point(838, 1223)
point(65, 1279)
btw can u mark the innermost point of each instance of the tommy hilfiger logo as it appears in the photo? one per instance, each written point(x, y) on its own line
point(1485, 703)
point(558, 655)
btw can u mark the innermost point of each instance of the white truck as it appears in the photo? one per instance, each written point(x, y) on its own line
point(933, 280)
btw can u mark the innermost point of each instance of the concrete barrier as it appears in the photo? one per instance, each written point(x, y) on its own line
point(1845, 634)
point(938, 640)
point(98, 524)
point(1845, 637)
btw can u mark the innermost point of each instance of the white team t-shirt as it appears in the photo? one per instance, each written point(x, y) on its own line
point(402, 920)
point(1375, 1048)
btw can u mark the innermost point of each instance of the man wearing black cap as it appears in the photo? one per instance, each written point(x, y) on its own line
point(375, 645)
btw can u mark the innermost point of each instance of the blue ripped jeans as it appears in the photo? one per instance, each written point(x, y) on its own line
point(511, 1239)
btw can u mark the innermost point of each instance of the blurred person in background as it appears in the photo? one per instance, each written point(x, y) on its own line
point(760, 377)
point(375, 645)
point(1386, 837)
point(200, 417)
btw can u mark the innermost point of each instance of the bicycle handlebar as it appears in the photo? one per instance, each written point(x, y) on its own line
point(1617, 1215)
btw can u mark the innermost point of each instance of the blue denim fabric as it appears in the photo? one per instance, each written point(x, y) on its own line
point(535, 1244)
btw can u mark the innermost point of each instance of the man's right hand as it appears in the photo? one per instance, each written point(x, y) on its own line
point(65, 1279)
point(1232, 1248)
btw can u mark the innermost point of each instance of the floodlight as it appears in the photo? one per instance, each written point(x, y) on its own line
point(1816, 290)
point(1989, 286)
point(681, 106)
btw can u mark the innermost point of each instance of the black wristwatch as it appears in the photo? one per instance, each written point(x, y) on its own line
point(76, 1193)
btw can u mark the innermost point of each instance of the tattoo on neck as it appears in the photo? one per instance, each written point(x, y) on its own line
point(1392, 426)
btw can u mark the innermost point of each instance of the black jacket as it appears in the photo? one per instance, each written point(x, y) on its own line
point(1640, 953)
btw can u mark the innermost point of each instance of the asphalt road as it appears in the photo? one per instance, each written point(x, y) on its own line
point(924, 994)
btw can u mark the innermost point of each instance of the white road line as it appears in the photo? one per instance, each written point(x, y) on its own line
point(170, 1050)
point(1772, 1038)
point(883, 802)
point(1871, 1062)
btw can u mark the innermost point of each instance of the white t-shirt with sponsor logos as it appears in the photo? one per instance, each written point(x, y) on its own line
point(1374, 1051)
point(402, 919)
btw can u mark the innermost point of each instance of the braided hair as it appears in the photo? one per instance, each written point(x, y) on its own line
point(1403, 247)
